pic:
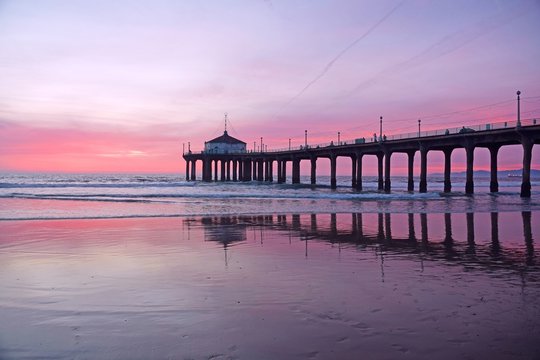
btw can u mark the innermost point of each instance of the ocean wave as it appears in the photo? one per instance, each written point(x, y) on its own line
point(277, 195)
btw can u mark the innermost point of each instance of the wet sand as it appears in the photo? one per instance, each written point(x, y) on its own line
point(327, 286)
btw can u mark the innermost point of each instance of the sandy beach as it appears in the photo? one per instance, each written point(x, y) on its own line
point(384, 286)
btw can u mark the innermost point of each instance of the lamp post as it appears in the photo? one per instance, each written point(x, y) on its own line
point(261, 145)
point(189, 147)
point(305, 138)
point(518, 110)
point(380, 128)
point(338, 138)
point(254, 146)
point(289, 144)
point(419, 121)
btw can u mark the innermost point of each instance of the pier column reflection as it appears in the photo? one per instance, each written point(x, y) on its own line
point(495, 245)
point(360, 225)
point(387, 227)
point(333, 224)
point(424, 228)
point(470, 231)
point(380, 227)
point(448, 240)
point(412, 235)
point(527, 233)
point(314, 222)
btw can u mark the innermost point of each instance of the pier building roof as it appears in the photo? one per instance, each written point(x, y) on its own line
point(226, 139)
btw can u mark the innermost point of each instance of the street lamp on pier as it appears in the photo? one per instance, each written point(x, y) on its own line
point(419, 121)
point(380, 128)
point(338, 138)
point(305, 138)
point(518, 110)
point(189, 147)
point(289, 144)
point(261, 145)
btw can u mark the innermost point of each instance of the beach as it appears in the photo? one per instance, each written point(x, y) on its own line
point(94, 278)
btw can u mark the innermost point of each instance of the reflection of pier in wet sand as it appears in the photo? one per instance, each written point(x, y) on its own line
point(406, 234)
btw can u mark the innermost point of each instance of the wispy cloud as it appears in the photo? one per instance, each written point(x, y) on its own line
point(330, 64)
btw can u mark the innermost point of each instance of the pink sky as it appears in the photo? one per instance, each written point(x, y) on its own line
point(119, 86)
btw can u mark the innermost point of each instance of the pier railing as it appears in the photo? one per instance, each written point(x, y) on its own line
point(422, 134)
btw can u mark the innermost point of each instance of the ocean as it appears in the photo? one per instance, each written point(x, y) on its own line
point(109, 196)
point(153, 267)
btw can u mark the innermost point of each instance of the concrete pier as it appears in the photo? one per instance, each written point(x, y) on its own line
point(259, 166)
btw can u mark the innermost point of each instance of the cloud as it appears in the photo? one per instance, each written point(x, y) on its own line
point(329, 66)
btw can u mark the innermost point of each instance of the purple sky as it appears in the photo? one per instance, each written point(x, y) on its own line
point(120, 85)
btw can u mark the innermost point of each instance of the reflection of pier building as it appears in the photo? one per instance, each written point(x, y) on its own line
point(224, 230)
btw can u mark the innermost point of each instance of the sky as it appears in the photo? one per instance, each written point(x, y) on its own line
point(123, 86)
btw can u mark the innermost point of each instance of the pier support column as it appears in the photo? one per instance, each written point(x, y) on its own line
point(284, 171)
point(279, 174)
point(526, 174)
point(296, 171)
point(216, 170)
point(260, 170)
point(247, 170)
point(270, 170)
point(387, 183)
point(254, 169)
point(333, 179)
point(353, 172)
point(494, 183)
point(359, 157)
point(207, 170)
point(228, 168)
point(313, 170)
point(423, 170)
point(194, 170)
point(223, 171)
point(380, 170)
point(410, 169)
point(265, 162)
point(469, 182)
point(187, 170)
point(234, 171)
point(447, 170)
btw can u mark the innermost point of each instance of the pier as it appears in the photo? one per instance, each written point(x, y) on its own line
point(263, 165)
